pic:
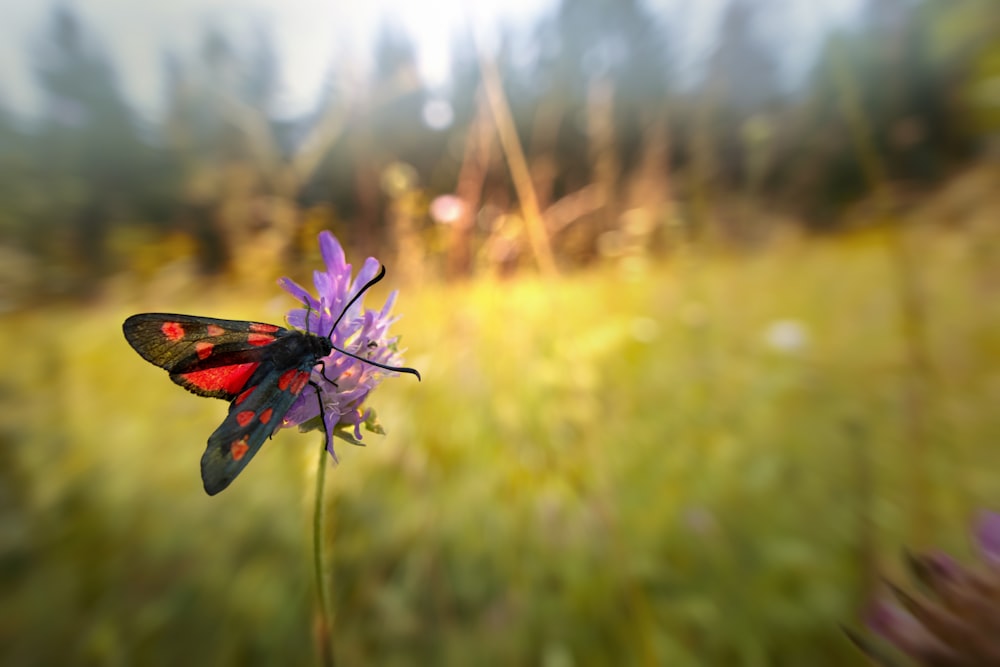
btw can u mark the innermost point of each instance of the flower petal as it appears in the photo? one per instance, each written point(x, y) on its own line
point(900, 628)
point(303, 409)
point(390, 301)
point(936, 570)
point(330, 420)
point(324, 285)
point(297, 318)
point(332, 253)
point(296, 290)
point(366, 273)
point(987, 533)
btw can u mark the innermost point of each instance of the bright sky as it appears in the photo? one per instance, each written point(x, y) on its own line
point(309, 34)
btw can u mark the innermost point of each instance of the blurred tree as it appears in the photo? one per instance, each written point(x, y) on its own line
point(246, 170)
point(93, 164)
point(742, 85)
point(905, 91)
point(383, 124)
point(884, 90)
point(603, 67)
point(730, 125)
point(587, 41)
point(217, 125)
point(16, 189)
point(21, 214)
point(401, 147)
point(964, 43)
point(589, 89)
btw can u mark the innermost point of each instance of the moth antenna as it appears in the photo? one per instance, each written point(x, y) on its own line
point(361, 292)
point(309, 310)
point(365, 288)
point(397, 369)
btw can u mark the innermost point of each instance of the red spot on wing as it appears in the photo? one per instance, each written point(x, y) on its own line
point(300, 382)
point(286, 379)
point(260, 327)
point(173, 331)
point(259, 339)
point(266, 416)
point(245, 395)
point(203, 348)
point(230, 379)
point(215, 330)
point(238, 448)
point(245, 417)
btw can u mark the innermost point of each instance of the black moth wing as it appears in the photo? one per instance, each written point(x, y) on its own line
point(231, 340)
point(252, 418)
point(205, 355)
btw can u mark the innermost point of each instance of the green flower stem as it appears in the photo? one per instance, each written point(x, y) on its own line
point(325, 633)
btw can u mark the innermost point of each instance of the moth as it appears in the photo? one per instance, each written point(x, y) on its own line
point(261, 369)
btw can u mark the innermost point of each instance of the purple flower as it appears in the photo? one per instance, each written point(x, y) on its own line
point(344, 382)
point(954, 619)
point(987, 533)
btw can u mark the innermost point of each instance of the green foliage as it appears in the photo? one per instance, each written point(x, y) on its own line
point(613, 468)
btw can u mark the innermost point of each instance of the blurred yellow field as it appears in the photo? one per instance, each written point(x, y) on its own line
point(686, 463)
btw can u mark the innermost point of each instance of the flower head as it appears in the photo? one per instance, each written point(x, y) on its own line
point(344, 381)
point(954, 619)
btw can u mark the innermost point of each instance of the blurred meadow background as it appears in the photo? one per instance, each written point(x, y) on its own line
point(704, 296)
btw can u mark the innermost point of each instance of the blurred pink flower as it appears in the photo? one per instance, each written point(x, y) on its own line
point(446, 209)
